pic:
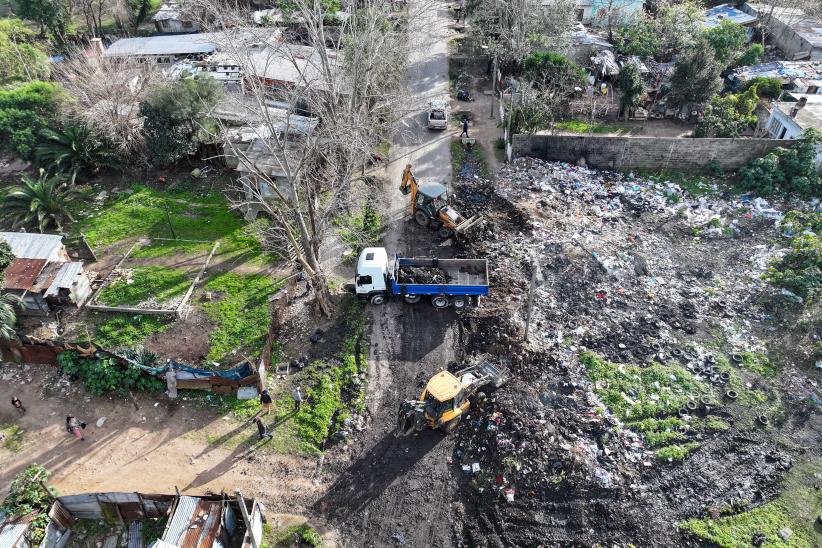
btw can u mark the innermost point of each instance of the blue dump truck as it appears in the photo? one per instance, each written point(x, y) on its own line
point(447, 282)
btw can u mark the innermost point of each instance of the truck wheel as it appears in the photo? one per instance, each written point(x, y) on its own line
point(412, 299)
point(450, 427)
point(459, 303)
point(421, 218)
point(444, 232)
point(378, 299)
point(439, 301)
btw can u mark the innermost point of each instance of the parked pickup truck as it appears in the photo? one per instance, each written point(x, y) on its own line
point(447, 282)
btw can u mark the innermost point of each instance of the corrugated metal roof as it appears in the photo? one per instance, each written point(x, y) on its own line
point(66, 277)
point(26, 245)
point(22, 273)
point(205, 525)
point(181, 519)
point(716, 14)
point(184, 44)
point(10, 534)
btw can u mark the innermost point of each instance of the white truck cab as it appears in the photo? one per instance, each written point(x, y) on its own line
point(372, 275)
point(438, 114)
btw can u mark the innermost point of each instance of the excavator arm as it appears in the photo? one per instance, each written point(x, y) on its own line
point(409, 185)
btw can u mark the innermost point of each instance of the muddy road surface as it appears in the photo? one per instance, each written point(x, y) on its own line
point(399, 491)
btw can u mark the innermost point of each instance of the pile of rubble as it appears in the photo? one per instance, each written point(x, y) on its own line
point(637, 272)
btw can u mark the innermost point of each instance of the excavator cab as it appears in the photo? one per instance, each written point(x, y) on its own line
point(429, 206)
point(446, 398)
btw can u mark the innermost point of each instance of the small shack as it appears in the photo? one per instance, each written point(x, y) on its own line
point(42, 274)
point(172, 19)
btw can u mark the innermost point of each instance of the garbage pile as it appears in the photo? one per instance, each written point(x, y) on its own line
point(422, 275)
point(637, 272)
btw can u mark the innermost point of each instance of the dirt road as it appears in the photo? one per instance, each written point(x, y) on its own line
point(399, 491)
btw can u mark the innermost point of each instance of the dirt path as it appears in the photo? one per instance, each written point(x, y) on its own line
point(399, 491)
point(151, 448)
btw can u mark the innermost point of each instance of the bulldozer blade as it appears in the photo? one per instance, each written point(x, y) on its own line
point(468, 223)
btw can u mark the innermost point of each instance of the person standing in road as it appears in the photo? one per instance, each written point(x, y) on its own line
point(266, 401)
point(464, 128)
point(261, 430)
point(297, 395)
point(15, 401)
point(74, 426)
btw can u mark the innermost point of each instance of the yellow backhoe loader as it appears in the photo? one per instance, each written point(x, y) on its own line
point(429, 206)
point(446, 398)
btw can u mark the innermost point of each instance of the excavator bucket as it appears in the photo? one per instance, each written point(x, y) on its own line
point(468, 223)
point(484, 374)
point(410, 419)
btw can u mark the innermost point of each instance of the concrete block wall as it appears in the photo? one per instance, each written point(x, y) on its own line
point(655, 153)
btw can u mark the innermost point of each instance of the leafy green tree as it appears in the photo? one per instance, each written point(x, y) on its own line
point(24, 111)
point(727, 38)
point(631, 88)
point(43, 202)
point(20, 60)
point(787, 170)
point(768, 88)
point(51, 15)
point(8, 316)
point(728, 116)
point(637, 38)
point(678, 26)
point(751, 56)
point(173, 114)
point(800, 269)
point(74, 150)
point(696, 75)
point(139, 11)
point(27, 496)
point(547, 68)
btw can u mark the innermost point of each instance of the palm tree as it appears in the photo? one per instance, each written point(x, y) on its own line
point(73, 150)
point(8, 316)
point(45, 200)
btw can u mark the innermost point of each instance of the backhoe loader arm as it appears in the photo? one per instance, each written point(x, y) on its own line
point(409, 184)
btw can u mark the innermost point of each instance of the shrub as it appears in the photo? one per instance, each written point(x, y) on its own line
point(314, 420)
point(751, 56)
point(728, 116)
point(800, 270)
point(786, 170)
point(768, 88)
point(104, 375)
point(26, 495)
point(637, 38)
point(675, 453)
point(24, 112)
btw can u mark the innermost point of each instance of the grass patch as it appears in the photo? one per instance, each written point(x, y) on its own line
point(466, 163)
point(739, 530)
point(223, 403)
point(676, 452)
point(160, 282)
point(240, 314)
point(647, 400)
point(580, 126)
point(153, 529)
point(13, 437)
point(125, 330)
point(181, 215)
point(758, 363)
point(694, 183)
point(291, 536)
point(361, 228)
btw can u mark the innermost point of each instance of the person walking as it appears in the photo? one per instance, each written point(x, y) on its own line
point(15, 401)
point(266, 401)
point(297, 395)
point(261, 430)
point(464, 128)
point(75, 426)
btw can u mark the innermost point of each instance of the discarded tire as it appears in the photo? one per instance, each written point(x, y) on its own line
point(736, 358)
point(731, 394)
point(683, 412)
point(763, 420)
point(691, 405)
point(676, 352)
point(725, 376)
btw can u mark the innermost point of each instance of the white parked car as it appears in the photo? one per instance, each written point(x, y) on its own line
point(438, 114)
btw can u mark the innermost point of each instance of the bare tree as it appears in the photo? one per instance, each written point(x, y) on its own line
point(613, 13)
point(107, 94)
point(513, 29)
point(314, 115)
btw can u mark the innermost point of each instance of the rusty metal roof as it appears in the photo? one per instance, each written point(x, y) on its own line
point(195, 523)
point(23, 273)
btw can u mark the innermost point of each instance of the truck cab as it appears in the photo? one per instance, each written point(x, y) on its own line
point(438, 114)
point(370, 282)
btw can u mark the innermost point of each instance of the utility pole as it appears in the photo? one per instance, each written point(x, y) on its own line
point(493, 83)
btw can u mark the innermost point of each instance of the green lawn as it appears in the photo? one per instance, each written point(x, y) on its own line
point(177, 215)
point(580, 126)
point(240, 313)
point(160, 282)
point(122, 330)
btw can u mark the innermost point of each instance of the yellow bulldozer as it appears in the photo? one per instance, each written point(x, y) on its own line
point(446, 398)
point(429, 206)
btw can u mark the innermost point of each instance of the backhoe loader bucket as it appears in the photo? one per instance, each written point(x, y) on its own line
point(484, 374)
point(462, 227)
point(410, 419)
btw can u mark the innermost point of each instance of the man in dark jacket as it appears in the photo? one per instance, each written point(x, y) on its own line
point(261, 430)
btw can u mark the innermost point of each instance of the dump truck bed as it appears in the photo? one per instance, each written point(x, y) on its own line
point(462, 276)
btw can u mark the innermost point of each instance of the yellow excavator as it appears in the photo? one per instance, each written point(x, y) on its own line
point(446, 398)
point(429, 206)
